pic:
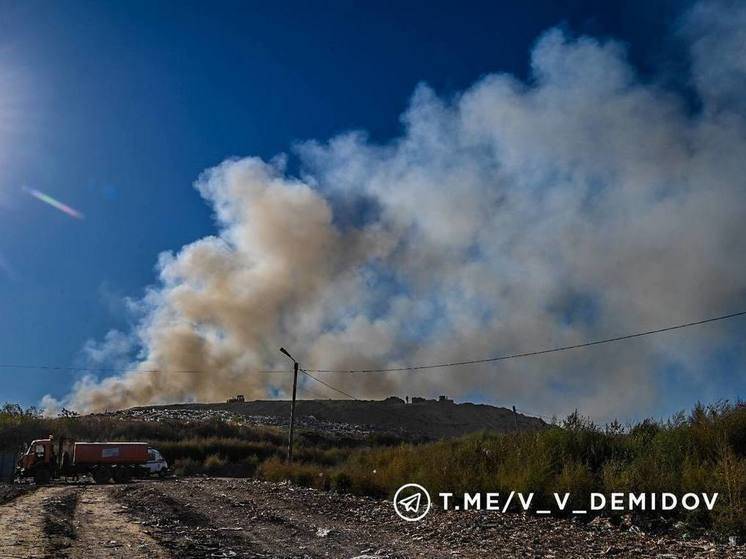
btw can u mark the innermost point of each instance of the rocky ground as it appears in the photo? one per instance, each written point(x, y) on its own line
point(204, 517)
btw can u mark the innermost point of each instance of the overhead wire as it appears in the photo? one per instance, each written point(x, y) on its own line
point(328, 385)
point(536, 352)
point(308, 371)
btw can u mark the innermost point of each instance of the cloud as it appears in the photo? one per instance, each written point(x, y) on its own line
point(517, 215)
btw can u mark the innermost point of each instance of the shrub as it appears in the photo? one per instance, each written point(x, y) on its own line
point(276, 469)
point(186, 467)
point(214, 464)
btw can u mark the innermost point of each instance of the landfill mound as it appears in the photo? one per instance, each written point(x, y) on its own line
point(433, 419)
point(190, 413)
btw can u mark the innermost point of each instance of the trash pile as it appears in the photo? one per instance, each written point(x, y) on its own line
point(421, 420)
point(199, 414)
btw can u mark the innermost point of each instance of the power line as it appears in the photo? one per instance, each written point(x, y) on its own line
point(328, 385)
point(316, 395)
point(390, 411)
point(538, 352)
point(393, 369)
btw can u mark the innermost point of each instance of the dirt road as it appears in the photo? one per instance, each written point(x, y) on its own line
point(75, 522)
point(198, 518)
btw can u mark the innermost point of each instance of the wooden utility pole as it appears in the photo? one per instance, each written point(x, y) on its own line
point(292, 405)
point(515, 418)
point(292, 413)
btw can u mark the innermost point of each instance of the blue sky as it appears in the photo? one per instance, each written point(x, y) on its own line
point(117, 107)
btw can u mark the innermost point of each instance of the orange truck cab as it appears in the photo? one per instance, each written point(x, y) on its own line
point(38, 460)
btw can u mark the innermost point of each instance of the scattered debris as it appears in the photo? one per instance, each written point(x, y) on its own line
point(244, 518)
point(422, 419)
point(281, 520)
point(323, 532)
point(205, 414)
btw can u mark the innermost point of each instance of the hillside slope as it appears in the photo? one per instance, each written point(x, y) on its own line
point(428, 418)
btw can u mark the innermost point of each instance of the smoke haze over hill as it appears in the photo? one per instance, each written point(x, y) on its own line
point(516, 215)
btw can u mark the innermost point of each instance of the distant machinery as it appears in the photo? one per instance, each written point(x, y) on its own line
point(441, 400)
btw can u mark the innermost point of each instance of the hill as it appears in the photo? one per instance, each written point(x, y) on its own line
point(433, 419)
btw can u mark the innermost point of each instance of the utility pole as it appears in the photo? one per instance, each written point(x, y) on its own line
point(292, 405)
point(515, 418)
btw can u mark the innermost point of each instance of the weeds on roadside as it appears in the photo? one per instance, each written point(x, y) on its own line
point(705, 451)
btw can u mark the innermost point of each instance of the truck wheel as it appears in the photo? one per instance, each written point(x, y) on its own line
point(65, 462)
point(101, 475)
point(42, 476)
point(163, 472)
point(121, 475)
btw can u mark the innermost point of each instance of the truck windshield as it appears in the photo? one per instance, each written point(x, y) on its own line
point(32, 449)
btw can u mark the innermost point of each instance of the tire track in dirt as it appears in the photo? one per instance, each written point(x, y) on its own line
point(189, 533)
point(105, 530)
point(58, 513)
point(10, 491)
point(23, 522)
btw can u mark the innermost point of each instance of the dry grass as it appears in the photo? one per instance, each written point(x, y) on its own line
point(705, 451)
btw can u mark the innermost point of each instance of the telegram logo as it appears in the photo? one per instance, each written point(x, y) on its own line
point(412, 502)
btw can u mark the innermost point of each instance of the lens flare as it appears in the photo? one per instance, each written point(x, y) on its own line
point(54, 203)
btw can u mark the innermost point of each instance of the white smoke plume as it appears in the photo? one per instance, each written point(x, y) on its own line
point(581, 204)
